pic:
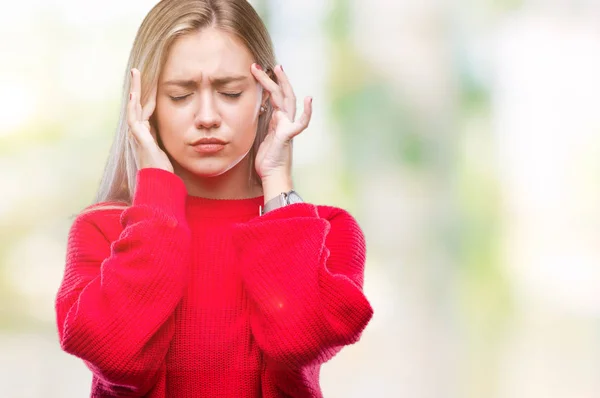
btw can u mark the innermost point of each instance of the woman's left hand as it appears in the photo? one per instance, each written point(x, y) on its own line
point(274, 157)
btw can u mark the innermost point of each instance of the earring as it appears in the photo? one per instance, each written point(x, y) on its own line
point(262, 109)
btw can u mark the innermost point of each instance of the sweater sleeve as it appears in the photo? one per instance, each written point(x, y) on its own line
point(304, 275)
point(115, 304)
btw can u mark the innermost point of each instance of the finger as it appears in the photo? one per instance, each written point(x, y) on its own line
point(135, 85)
point(289, 98)
point(131, 113)
point(304, 120)
point(135, 126)
point(136, 89)
point(269, 85)
point(131, 119)
point(150, 105)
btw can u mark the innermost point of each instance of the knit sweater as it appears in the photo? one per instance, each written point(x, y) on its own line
point(183, 296)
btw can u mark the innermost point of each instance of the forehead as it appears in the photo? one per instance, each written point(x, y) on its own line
point(206, 53)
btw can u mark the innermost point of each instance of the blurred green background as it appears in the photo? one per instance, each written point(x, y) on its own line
point(463, 135)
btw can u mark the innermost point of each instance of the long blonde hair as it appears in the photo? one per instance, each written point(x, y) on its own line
point(167, 21)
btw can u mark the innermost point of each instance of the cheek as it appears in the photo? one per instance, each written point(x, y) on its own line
point(243, 123)
point(168, 119)
point(161, 115)
point(245, 113)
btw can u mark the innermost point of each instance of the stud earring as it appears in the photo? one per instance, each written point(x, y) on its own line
point(262, 109)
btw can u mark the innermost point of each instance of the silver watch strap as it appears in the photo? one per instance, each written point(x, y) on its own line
point(274, 203)
point(283, 199)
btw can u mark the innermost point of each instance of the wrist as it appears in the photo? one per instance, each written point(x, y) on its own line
point(275, 185)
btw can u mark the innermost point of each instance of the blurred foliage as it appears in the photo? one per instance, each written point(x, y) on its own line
point(371, 120)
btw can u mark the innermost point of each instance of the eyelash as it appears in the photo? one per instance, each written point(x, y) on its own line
point(230, 95)
point(179, 98)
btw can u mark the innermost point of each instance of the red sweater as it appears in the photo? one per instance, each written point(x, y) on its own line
point(181, 296)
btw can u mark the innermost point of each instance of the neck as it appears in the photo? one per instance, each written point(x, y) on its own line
point(233, 184)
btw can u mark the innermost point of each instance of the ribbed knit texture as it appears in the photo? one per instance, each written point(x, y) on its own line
point(181, 296)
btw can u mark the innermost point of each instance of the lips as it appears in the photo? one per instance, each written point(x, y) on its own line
point(208, 145)
point(209, 141)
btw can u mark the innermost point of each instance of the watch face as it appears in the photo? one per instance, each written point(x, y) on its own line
point(293, 197)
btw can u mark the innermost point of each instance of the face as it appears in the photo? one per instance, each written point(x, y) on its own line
point(206, 91)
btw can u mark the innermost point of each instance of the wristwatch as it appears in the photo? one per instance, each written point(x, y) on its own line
point(283, 199)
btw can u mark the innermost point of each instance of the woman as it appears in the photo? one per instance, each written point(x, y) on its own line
point(198, 271)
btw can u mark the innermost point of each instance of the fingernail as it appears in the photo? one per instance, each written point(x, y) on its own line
point(258, 67)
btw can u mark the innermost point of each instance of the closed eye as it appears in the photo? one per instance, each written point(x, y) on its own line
point(180, 98)
point(232, 95)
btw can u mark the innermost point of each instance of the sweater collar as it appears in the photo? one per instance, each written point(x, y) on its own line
point(211, 208)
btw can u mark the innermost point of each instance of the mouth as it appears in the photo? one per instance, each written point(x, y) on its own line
point(209, 141)
point(208, 145)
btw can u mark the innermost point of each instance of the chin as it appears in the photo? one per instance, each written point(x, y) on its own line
point(210, 169)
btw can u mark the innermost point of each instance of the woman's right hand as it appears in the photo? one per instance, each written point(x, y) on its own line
point(140, 134)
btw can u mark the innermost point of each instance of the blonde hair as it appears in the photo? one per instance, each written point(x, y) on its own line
point(167, 21)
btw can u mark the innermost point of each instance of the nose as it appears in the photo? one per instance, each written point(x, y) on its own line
point(207, 115)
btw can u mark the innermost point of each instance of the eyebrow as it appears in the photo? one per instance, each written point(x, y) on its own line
point(218, 81)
